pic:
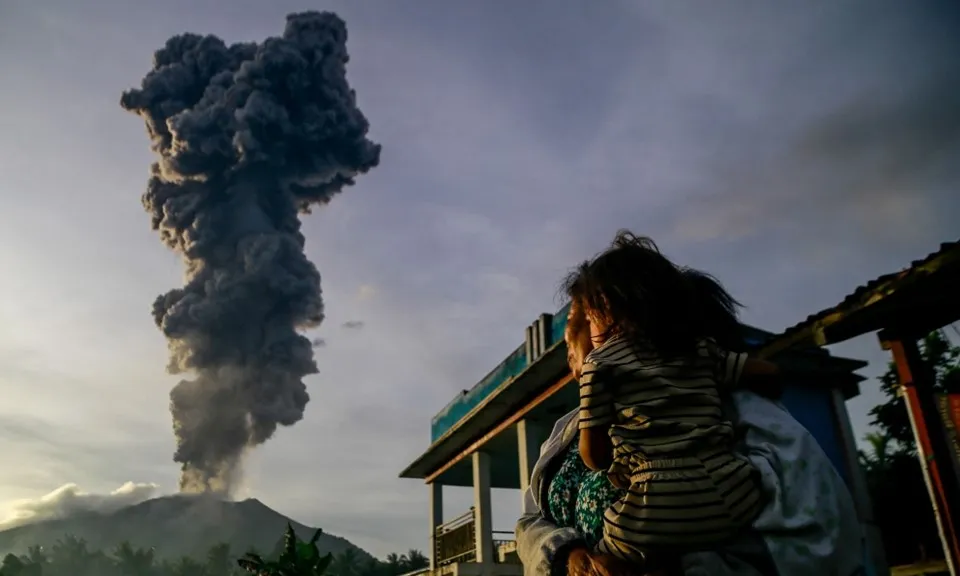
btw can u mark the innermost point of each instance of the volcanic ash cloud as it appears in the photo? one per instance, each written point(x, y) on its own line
point(249, 137)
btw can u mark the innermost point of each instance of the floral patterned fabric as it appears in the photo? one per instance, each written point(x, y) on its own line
point(577, 496)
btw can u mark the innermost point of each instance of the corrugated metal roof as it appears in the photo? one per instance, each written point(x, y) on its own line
point(871, 292)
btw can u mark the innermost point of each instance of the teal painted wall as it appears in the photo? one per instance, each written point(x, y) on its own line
point(515, 363)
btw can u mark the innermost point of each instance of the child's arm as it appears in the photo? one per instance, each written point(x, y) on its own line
point(596, 416)
point(596, 448)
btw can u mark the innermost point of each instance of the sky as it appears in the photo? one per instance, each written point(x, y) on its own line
point(794, 149)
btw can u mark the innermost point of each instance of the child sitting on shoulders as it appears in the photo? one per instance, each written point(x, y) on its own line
point(650, 408)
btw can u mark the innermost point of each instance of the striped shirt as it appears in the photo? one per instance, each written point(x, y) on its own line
point(657, 409)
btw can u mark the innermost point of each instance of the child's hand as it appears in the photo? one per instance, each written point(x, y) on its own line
point(579, 562)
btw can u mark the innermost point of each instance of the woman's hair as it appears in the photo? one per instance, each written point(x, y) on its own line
point(577, 335)
point(641, 294)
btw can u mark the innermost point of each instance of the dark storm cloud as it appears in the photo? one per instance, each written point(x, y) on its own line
point(249, 136)
point(877, 156)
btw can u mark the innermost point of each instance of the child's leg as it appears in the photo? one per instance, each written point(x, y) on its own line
point(671, 506)
point(617, 540)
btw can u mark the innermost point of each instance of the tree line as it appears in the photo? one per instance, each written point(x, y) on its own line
point(71, 556)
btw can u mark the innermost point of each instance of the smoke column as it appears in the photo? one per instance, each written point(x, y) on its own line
point(249, 136)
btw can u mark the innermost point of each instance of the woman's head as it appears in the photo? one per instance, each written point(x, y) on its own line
point(577, 336)
point(632, 289)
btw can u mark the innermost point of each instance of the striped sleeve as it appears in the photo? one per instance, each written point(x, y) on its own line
point(596, 397)
point(731, 368)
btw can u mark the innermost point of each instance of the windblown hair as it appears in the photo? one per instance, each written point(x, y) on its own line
point(641, 294)
point(718, 318)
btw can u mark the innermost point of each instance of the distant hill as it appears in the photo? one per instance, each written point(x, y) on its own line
point(179, 525)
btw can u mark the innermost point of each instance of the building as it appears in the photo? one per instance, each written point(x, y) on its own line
point(489, 437)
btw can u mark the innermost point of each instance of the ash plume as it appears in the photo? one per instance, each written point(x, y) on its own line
point(249, 136)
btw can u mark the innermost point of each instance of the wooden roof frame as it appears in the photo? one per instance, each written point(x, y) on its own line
point(912, 302)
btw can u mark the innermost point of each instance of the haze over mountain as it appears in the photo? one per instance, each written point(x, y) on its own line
point(178, 525)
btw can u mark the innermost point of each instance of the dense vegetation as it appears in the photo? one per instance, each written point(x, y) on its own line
point(71, 557)
point(901, 503)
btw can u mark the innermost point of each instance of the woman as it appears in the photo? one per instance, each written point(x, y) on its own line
point(808, 525)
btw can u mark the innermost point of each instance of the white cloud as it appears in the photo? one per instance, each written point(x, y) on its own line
point(69, 499)
point(366, 291)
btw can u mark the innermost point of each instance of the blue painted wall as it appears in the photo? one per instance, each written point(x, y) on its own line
point(813, 408)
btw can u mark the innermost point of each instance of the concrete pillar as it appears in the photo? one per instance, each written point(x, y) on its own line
point(436, 519)
point(530, 436)
point(482, 507)
point(544, 332)
point(530, 345)
point(858, 485)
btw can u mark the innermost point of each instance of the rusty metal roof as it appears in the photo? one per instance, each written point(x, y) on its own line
point(811, 331)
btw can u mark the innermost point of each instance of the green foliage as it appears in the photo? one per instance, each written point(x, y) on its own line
point(899, 494)
point(72, 557)
point(297, 559)
point(890, 417)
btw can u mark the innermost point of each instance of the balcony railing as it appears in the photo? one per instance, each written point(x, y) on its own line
point(501, 537)
point(456, 540)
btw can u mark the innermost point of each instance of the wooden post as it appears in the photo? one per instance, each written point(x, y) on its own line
point(917, 380)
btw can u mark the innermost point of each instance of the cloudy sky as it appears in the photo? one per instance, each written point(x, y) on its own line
point(795, 149)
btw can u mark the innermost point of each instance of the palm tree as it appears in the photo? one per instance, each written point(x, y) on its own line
point(416, 560)
point(36, 555)
point(877, 461)
point(70, 557)
point(134, 562)
point(393, 564)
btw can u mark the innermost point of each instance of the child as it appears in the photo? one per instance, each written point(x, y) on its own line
point(650, 406)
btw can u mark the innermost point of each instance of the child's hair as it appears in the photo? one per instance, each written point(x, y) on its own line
point(641, 294)
point(718, 311)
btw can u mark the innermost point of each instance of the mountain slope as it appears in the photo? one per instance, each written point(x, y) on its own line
point(175, 526)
